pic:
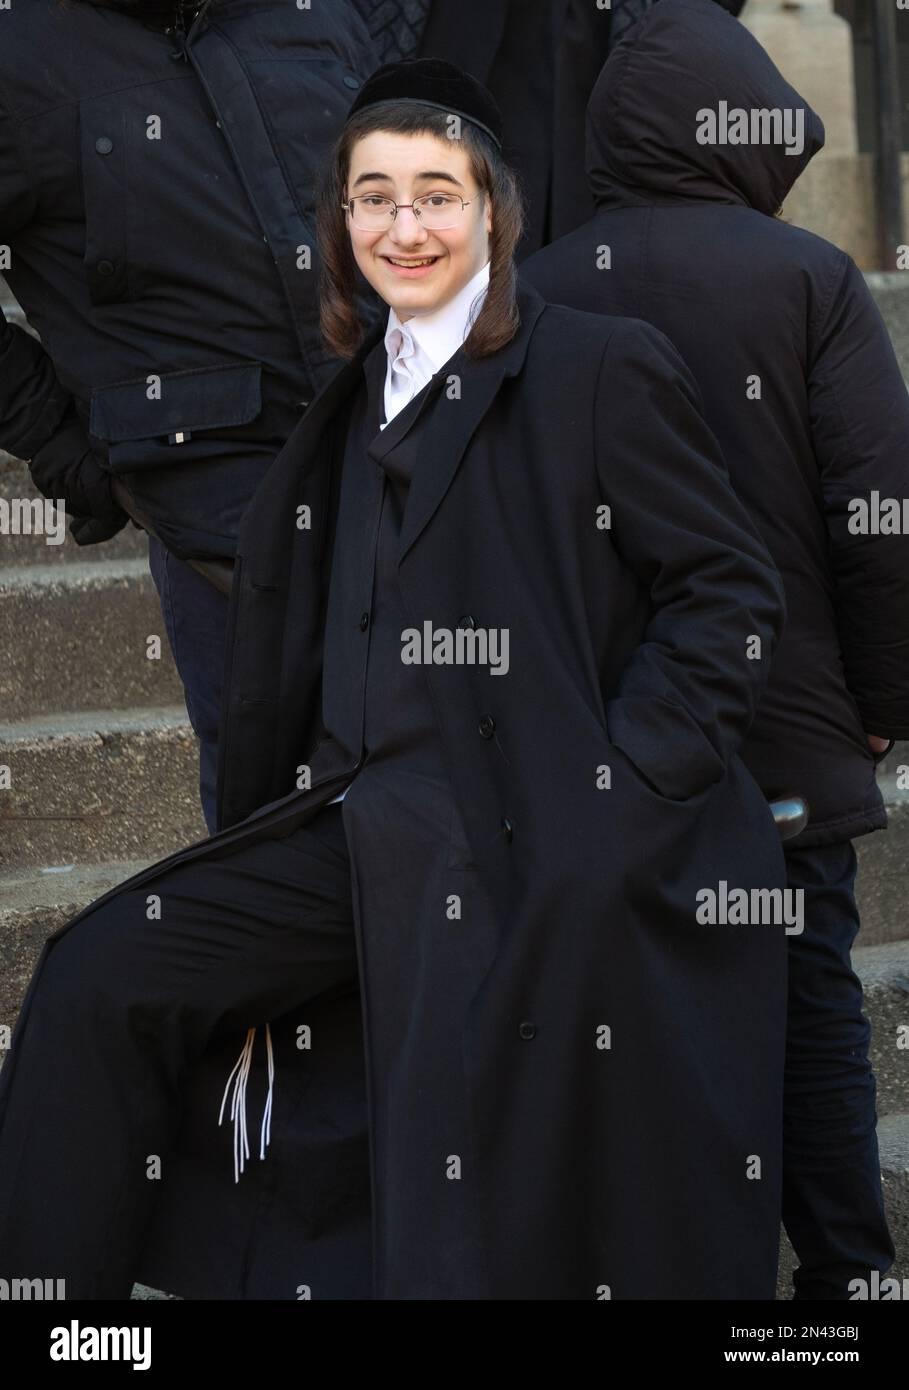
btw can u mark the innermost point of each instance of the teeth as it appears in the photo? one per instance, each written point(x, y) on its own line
point(427, 260)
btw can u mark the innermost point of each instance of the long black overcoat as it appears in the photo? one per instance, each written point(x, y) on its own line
point(624, 1060)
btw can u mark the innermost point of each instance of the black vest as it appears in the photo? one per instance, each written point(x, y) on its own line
point(372, 703)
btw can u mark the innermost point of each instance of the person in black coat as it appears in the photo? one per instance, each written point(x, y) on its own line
point(488, 846)
point(511, 46)
point(157, 177)
point(587, 33)
point(803, 391)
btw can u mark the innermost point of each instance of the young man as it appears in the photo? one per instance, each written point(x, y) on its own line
point(521, 628)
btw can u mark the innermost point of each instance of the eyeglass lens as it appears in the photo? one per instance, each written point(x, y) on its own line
point(434, 210)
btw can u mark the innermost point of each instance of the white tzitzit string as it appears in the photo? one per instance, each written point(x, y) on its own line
point(238, 1103)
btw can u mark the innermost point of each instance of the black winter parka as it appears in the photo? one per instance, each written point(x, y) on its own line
point(798, 378)
point(157, 200)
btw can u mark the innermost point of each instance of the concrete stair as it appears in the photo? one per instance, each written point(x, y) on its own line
point(70, 613)
point(889, 290)
point(884, 973)
point(107, 785)
point(103, 768)
point(35, 901)
point(883, 859)
point(29, 549)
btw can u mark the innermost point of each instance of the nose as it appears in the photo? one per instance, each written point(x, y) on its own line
point(407, 229)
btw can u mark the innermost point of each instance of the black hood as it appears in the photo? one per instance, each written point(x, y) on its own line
point(685, 57)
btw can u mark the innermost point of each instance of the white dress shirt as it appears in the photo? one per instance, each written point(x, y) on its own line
point(418, 348)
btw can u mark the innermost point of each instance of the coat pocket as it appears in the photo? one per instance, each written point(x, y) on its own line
point(667, 749)
point(173, 418)
point(191, 450)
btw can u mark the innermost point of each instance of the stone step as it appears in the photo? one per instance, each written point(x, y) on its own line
point(890, 289)
point(893, 1143)
point(884, 973)
point(77, 636)
point(99, 785)
point(884, 859)
point(34, 902)
point(889, 776)
point(883, 878)
point(24, 536)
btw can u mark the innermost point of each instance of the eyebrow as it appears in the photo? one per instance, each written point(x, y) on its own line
point(427, 174)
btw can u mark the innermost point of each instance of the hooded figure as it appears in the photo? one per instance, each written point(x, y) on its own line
point(800, 382)
point(694, 139)
point(587, 35)
point(498, 626)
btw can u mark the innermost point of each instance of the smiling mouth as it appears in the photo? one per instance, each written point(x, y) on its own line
point(423, 260)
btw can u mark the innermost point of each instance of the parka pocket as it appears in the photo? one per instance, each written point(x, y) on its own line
point(190, 449)
point(103, 152)
point(174, 418)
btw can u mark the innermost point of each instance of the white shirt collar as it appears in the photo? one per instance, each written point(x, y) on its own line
point(441, 333)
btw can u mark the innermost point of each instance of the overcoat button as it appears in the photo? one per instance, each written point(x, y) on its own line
point(106, 267)
point(487, 726)
point(527, 1030)
point(364, 621)
point(351, 82)
point(508, 828)
point(104, 145)
point(467, 621)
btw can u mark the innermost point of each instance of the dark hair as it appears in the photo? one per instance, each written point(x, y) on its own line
point(498, 319)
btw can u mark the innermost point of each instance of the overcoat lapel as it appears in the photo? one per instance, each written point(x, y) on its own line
point(467, 391)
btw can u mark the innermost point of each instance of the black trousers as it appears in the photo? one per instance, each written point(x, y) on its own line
point(195, 617)
point(833, 1207)
point(126, 1000)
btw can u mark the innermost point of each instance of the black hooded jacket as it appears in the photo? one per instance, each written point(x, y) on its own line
point(797, 375)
